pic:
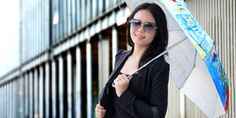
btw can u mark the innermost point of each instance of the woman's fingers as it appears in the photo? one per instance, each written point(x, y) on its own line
point(121, 84)
point(100, 111)
point(99, 106)
point(122, 78)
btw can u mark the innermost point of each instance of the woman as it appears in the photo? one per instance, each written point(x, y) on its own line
point(144, 95)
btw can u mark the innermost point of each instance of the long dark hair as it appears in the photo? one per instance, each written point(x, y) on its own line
point(160, 41)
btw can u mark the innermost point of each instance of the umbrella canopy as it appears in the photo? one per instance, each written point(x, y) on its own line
point(194, 64)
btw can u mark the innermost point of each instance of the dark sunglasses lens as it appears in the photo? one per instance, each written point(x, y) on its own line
point(135, 23)
point(149, 27)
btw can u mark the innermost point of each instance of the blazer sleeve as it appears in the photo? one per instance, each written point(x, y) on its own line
point(159, 76)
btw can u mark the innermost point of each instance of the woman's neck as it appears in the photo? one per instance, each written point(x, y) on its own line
point(138, 52)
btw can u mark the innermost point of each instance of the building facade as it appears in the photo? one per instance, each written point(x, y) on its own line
point(67, 50)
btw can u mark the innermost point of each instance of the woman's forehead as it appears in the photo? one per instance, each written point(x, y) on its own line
point(144, 16)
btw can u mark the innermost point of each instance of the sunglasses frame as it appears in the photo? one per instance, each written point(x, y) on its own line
point(148, 27)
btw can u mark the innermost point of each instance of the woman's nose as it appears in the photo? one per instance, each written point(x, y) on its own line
point(141, 29)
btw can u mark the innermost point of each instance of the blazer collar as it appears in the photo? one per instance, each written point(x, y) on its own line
point(120, 63)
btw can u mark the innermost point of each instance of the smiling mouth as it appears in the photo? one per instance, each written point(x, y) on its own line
point(139, 36)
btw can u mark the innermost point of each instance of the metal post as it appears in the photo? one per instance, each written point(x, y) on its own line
point(31, 96)
point(47, 90)
point(26, 97)
point(36, 114)
point(41, 95)
point(61, 88)
point(54, 93)
point(114, 44)
point(89, 80)
point(78, 83)
point(69, 85)
point(103, 60)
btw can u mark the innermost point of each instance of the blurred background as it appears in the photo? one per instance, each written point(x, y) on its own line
point(9, 42)
point(56, 55)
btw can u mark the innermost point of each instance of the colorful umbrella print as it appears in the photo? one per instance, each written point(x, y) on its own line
point(194, 64)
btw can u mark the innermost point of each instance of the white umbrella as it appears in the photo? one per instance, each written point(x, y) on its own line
point(194, 65)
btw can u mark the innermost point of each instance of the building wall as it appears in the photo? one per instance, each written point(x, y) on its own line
point(68, 50)
point(34, 29)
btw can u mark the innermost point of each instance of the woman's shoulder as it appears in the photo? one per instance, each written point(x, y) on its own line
point(122, 52)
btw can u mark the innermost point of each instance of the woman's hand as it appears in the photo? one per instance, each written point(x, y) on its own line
point(100, 111)
point(121, 84)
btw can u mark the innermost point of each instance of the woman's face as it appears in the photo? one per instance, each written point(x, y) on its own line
point(142, 28)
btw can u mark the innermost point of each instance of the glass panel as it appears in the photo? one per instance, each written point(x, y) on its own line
point(74, 18)
point(78, 13)
point(69, 15)
point(94, 8)
point(101, 6)
point(83, 11)
point(64, 16)
point(56, 20)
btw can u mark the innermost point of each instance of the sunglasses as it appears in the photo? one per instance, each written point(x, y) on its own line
point(147, 26)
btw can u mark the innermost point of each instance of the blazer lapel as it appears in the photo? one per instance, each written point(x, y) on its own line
point(103, 95)
point(118, 65)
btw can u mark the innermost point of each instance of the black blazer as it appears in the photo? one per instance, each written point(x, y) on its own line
point(147, 94)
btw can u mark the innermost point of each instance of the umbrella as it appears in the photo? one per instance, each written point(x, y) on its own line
point(194, 64)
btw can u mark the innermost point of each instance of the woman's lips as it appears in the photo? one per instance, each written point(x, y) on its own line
point(140, 37)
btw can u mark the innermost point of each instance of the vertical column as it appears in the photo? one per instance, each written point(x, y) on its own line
point(41, 95)
point(36, 114)
point(47, 90)
point(103, 59)
point(21, 96)
point(1, 105)
point(78, 83)
point(114, 44)
point(54, 92)
point(69, 85)
point(31, 97)
point(26, 97)
point(182, 105)
point(15, 100)
point(7, 99)
point(61, 92)
point(21, 93)
point(4, 101)
point(89, 79)
point(1, 100)
point(18, 96)
point(10, 99)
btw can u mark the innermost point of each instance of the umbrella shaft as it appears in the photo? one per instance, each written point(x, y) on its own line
point(172, 46)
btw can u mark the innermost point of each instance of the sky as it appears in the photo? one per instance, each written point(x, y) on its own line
point(9, 35)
